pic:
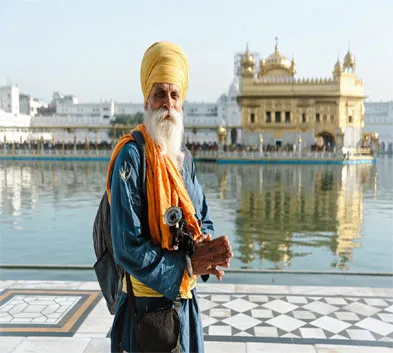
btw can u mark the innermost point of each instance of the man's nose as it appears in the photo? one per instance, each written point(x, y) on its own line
point(168, 103)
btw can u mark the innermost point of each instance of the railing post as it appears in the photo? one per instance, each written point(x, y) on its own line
point(98, 140)
point(87, 144)
point(75, 141)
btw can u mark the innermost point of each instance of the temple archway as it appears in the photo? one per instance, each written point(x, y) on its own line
point(328, 138)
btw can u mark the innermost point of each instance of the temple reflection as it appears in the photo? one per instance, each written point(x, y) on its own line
point(285, 211)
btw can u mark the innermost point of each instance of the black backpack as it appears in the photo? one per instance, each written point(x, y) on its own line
point(109, 274)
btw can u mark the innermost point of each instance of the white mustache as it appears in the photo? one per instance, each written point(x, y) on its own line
point(162, 114)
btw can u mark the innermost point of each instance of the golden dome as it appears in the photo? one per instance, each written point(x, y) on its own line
point(222, 131)
point(247, 57)
point(248, 63)
point(277, 60)
point(277, 65)
point(338, 67)
point(349, 62)
point(349, 59)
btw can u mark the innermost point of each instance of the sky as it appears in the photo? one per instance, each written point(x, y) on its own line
point(93, 48)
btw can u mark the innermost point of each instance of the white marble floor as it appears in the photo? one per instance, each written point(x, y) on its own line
point(57, 316)
point(102, 345)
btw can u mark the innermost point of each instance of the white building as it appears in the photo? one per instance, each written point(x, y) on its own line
point(229, 115)
point(9, 99)
point(379, 118)
point(128, 108)
point(29, 105)
point(201, 119)
point(59, 98)
point(200, 122)
point(14, 127)
point(93, 113)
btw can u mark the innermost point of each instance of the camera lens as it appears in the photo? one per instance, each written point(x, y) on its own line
point(172, 216)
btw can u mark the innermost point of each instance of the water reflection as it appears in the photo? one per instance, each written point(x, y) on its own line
point(23, 184)
point(277, 216)
point(286, 211)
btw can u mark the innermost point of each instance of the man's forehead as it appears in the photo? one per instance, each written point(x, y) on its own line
point(166, 86)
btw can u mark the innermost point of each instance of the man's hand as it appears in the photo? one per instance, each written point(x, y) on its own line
point(210, 254)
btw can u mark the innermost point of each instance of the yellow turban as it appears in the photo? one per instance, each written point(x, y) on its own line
point(164, 62)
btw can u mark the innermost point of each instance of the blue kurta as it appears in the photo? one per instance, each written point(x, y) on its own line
point(156, 268)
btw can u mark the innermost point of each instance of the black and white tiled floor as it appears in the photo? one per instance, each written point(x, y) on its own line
point(297, 317)
point(230, 313)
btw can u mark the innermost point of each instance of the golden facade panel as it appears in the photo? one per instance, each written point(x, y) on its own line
point(276, 103)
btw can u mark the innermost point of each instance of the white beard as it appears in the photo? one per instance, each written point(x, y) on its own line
point(167, 132)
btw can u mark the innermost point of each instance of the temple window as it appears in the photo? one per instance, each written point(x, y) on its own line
point(317, 117)
point(268, 117)
point(325, 118)
point(332, 118)
point(252, 118)
point(304, 118)
point(278, 117)
point(350, 119)
point(287, 117)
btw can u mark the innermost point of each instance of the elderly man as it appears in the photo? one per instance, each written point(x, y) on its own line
point(160, 276)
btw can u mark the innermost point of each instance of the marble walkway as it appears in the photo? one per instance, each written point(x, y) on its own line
point(70, 316)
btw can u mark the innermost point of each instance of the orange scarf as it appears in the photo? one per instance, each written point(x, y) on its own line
point(165, 188)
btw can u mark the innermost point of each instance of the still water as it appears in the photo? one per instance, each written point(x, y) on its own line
point(301, 217)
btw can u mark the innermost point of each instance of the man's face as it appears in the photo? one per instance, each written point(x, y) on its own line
point(164, 95)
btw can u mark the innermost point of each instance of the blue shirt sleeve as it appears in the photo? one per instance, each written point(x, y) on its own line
point(156, 268)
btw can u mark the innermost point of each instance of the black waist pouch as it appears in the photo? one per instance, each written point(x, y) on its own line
point(158, 331)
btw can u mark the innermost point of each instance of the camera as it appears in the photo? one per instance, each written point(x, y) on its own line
point(182, 238)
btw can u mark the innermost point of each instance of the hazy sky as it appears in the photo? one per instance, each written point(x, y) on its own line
point(93, 48)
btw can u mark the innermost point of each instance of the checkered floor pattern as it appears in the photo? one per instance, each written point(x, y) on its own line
point(297, 317)
point(243, 313)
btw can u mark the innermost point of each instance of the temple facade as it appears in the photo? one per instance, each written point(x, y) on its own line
point(279, 109)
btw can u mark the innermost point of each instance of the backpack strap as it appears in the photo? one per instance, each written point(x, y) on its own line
point(140, 141)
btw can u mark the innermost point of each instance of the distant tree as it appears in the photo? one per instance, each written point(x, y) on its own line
point(124, 122)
